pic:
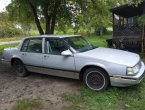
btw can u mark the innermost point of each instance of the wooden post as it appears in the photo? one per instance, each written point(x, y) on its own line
point(123, 21)
point(143, 33)
point(119, 20)
point(142, 40)
point(113, 23)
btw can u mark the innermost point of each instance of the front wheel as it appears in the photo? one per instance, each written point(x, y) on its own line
point(19, 68)
point(96, 79)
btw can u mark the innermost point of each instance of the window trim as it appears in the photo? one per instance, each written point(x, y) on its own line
point(67, 46)
point(28, 44)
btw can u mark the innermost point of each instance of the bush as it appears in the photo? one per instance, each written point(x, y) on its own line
point(7, 31)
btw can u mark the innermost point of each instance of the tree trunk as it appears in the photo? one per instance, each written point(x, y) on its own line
point(47, 30)
point(53, 24)
point(34, 11)
point(101, 32)
point(47, 19)
point(54, 17)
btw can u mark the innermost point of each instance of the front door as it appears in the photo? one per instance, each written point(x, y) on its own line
point(55, 63)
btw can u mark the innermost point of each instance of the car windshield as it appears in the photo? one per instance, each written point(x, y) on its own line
point(79, 44)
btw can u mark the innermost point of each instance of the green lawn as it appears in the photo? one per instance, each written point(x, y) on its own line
point(11, 38)
point(7, 46)
point(96, 40)
point(115, 98)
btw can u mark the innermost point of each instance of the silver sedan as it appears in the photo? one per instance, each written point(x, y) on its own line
point(72, 56)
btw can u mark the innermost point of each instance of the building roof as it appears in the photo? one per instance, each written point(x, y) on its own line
point(129, 10)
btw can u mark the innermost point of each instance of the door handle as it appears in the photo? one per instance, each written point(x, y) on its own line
point(45, 56)
point(24, 54)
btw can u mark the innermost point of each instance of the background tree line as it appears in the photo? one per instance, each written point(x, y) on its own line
point(60, 15)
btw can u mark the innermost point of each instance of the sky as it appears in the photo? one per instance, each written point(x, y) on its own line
point(3, 4)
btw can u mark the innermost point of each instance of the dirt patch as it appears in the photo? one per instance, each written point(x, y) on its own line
point(35, 86)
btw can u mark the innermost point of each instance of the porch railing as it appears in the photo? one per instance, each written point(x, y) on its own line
point(127, 30)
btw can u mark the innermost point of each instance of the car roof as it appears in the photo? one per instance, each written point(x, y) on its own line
point(52, 36)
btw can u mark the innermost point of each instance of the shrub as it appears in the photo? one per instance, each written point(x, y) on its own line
point(9, 31)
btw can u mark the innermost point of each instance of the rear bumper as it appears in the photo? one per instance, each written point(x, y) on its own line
point(124, 81)
point(7, 63)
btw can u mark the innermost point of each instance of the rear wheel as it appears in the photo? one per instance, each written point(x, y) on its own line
point(96, 79)
point(19, 68)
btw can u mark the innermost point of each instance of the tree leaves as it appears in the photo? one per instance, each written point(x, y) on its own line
point(82, 13)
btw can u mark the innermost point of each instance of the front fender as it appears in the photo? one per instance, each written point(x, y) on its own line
point(95, 64)
point(110, 68)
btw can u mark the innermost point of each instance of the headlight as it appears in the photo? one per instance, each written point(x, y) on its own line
point(133, 70)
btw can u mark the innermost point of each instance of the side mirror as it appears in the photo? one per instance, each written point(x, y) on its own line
point(66, 53)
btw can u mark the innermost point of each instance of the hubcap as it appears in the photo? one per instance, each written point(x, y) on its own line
point(95, 80)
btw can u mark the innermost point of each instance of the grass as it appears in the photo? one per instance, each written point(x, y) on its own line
point(96, 40)
point(27, 104)
point(11, 38)
point(130, 98)
point(2, 47)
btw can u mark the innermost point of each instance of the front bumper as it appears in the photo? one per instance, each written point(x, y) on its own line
point(124, 81)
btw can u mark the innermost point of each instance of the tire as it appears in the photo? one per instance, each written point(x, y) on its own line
point(19, 68)
point(96, 79)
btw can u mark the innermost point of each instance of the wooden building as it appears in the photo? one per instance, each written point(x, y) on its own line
point(127, 27)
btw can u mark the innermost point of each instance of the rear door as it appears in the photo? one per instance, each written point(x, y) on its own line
point(31, 54)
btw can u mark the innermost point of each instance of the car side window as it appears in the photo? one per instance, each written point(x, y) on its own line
point(32, 45)
point(54, 46)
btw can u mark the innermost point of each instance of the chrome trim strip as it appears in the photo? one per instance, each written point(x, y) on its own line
point(53, 72)
point(3, 61)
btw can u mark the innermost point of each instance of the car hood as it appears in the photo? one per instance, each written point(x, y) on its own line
point(113, 56)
